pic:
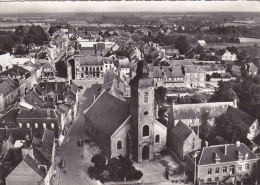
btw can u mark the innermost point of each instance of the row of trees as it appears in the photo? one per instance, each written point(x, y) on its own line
point(23, 35)
point(116, 169)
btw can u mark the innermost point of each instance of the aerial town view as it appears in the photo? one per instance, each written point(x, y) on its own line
point(130, 93)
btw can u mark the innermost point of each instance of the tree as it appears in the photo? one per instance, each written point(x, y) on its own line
point(99, 160)
point(231, 128)
point(205, 128)
point(160, 94)
point(182, 44)
point(224, 93)
point(113, 167)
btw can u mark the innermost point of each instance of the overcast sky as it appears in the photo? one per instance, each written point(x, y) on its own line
point(129, 6)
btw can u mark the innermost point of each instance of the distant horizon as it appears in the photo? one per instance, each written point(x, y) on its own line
point(129, 7)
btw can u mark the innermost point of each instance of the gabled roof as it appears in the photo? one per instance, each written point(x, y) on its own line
point(5, 89)
point(108, 113)
point(11, 139)
point(92, 60)
point(231, 154)
point(33, 164)
point(9, 117)
point(36, 113)
point(181, 131)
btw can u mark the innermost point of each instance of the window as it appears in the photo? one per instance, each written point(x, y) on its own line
point(246, 175)
point(193, 145)
point(239, 168)
point(146, 113)
point(28, 125)
point(209, 180)
point(216, 179)
point(254, 165)
point(36, 125)
point(146, 97)
point(157, 138)
point(119, 145)
point(224, 169)
point(20, 125)
point(44, 125)
point(210, 171)
point(145, 130)
point(217, 170)
point(247, 167)
point(52, 125)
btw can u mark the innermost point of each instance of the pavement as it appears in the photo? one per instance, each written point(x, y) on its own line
point(76, 164)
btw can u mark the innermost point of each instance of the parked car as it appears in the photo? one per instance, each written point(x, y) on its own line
point(80, 142)
point(62, 164)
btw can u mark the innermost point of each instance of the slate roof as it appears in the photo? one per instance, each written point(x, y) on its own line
point(9, 117)
point(180, 62)
point(11, 83)
point(108, 113)
point(231, 156)
point(5, 89)
point(181, 131)
point(36, 113)
point(92, 60)
point(19, 133)
point(16, 71)
point(193, 69)
point(241, 115)
point(192, 111)
point(168, 71)
point(34, 165)
point(51, 86)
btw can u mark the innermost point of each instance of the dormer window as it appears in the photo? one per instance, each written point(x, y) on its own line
point(20, 125)
point(52, 125)
point(28, 125)
point(239, 155)
point(216, 157)
point(44, 125)
point(36, 125)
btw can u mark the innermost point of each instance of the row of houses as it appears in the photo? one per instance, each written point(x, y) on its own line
point(51, 105)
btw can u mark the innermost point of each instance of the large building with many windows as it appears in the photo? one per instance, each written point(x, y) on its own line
point(223, 163)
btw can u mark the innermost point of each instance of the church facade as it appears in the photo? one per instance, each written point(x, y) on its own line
point(131, 129)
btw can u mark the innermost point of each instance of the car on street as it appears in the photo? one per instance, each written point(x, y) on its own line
point(80, 142)
point(62, 164)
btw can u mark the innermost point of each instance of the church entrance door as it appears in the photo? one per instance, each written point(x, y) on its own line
point(145, 154)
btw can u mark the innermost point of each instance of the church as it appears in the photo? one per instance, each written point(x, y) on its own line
point(129, 129)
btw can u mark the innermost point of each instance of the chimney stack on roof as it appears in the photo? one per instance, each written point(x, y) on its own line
point(237, 143)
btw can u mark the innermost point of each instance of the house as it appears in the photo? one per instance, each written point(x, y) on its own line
point(8, 119)
point(183, 140)
point(190, 114)
point(5, 62)
point(222, 163)
point(250, 69)
point(91, 66)
point(39, 119)
point(202, 42)
point(127, 129)
point(21, 76)
point(179, 76)
point(250, 122)
point(8, 92)
point(171, 52)
point(225, 55)
point(48, 71)
point(35, 164)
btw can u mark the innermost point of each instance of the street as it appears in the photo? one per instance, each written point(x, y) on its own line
point(71, 152)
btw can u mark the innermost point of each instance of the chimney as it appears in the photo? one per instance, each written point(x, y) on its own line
point(206, 144)
point(225, 149)
point(237, 143)
point(48, 113)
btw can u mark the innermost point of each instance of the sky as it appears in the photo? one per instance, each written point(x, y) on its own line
point(129, 6)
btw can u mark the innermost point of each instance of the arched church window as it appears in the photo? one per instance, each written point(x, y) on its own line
point(20, 125)
point(146, 97)
point(28, 125)
point(52, 125)
point(145, 130)
point(119, 145)
point(44, 125)
point(36, 125)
